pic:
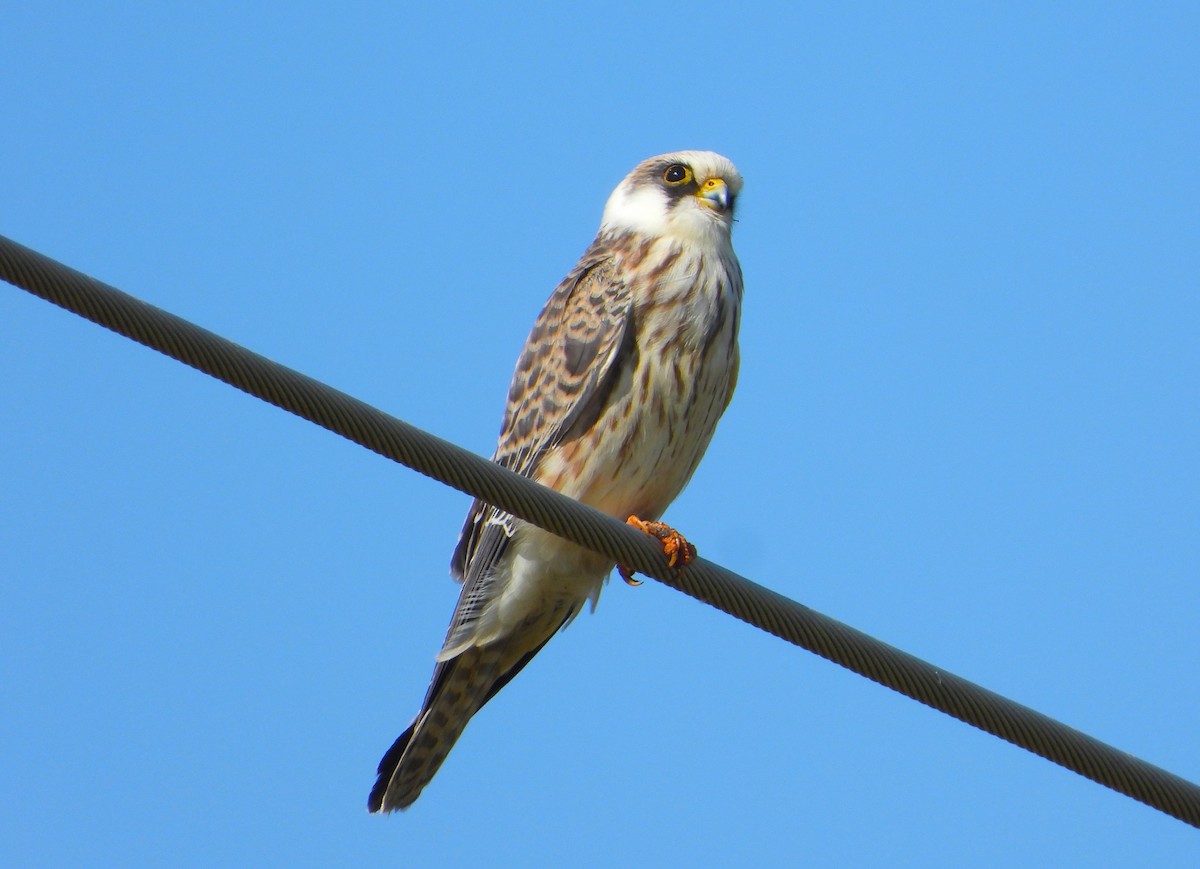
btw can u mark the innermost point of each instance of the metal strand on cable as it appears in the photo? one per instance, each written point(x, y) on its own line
point(703, 580)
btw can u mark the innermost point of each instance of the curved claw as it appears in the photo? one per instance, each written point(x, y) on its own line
point(680, 553)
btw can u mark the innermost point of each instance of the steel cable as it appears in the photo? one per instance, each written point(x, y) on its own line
point(703, 580)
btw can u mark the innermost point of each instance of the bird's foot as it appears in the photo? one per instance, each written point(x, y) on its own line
point(677, 549)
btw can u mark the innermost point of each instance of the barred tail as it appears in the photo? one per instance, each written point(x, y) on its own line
point(460, 687)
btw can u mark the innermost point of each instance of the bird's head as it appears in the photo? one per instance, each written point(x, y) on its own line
point(688, 195)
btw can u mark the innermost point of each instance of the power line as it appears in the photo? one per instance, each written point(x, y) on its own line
point(703, 580)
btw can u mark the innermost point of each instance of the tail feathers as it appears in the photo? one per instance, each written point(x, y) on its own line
point(460, 687)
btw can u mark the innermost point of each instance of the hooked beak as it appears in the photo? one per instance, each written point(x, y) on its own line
point(715, 194)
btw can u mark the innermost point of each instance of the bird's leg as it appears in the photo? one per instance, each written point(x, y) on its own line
point(677, 549)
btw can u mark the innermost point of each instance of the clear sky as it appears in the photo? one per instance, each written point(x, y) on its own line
point(968, 424)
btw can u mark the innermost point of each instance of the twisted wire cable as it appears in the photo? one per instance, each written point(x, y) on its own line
point(733, 594)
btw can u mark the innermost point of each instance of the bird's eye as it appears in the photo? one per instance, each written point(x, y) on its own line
point(677, 174)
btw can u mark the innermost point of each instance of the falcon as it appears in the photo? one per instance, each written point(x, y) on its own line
point(614, 400)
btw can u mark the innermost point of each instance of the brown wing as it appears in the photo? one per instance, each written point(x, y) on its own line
point(563, 379)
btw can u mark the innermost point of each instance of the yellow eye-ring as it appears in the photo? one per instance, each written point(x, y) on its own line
point(677, 174)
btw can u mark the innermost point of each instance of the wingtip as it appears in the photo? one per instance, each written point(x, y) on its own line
point(377, 800)
point(379, 803)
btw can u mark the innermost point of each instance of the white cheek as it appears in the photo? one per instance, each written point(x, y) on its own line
point(643, 210)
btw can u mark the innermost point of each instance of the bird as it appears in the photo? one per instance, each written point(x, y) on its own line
point(615, 398)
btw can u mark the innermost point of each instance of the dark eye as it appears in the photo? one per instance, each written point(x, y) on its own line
point(677, 173)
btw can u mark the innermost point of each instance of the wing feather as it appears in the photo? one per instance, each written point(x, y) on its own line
point(562, 382)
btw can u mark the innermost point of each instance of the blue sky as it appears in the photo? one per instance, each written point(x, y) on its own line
point(967, 423)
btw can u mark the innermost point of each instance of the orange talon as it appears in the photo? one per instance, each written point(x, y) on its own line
point(678, 550)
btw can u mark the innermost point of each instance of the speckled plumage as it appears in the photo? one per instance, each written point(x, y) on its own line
point(614, 400)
